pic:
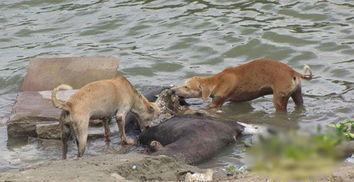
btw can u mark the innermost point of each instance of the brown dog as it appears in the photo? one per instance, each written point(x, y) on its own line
point(249, 81)
point(102, 100)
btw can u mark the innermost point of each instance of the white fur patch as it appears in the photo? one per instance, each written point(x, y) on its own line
point(62, 95)
point(251, 129)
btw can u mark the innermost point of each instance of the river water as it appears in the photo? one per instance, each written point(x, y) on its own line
point(165, 42)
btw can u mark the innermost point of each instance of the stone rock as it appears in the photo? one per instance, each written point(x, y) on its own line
point(47, 73)
point(32, 109)
point(48, 131)
point(33, 115)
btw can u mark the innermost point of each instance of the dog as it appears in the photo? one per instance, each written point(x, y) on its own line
point(247, 82)
point(102, 99)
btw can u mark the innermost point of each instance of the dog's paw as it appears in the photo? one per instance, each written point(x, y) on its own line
point(129, 141)
point(155, 145)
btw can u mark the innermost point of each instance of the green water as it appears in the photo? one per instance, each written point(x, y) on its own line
point(164, 42)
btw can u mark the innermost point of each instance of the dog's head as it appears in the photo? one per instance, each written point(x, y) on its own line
point(194, 87)
point(150, 111)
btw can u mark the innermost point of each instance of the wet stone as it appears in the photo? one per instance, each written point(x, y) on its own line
point(47, 73)
point(48, 131)
point(33, 115)
point(32, 109)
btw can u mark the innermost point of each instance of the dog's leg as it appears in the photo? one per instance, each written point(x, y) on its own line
point(120, 117)
point(297, 97)
point(217, 102)
point(107, 131)
point(81, 131)
point(65, 132)
point(64, 138)
point(280, 102)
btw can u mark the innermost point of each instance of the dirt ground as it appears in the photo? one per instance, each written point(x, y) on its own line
point(110, 167)
point(343, 172)
point(136, 167)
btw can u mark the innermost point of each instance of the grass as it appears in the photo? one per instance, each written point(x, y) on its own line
point(345, 129)
point(299, 156)
point(231, 170)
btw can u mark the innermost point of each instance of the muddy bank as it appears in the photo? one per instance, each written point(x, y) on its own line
point(343, 172)
point(110, 167)
point(138, 167)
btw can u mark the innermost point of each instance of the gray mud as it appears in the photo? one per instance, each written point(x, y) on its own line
point(110, 167)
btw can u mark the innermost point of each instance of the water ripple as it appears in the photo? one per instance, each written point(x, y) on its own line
point(164, 42)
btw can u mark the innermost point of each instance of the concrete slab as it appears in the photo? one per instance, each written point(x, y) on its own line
point(47, 73)
point(32, 109)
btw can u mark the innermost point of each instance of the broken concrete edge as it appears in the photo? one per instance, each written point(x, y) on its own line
point(33, 115)
point(26, 127)
point(48, 131)
point(45, 73)
point(45, 129)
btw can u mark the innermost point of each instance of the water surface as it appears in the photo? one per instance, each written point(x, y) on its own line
point(165, 42)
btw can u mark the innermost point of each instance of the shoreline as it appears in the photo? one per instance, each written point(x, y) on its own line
point(138, 167)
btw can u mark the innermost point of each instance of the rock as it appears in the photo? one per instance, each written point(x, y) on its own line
point(47, 73)
point(195, 177)
point(48, 131)
point(52, 131)
point(110, 167)
point(32, 109)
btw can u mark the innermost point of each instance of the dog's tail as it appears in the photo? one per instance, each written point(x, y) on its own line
point(59, 103)
point(307, 75)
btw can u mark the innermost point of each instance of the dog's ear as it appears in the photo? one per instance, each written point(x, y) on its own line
point(151, 109)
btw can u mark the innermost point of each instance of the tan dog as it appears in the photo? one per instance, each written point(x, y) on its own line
point(102, 100)
point(249, 81)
